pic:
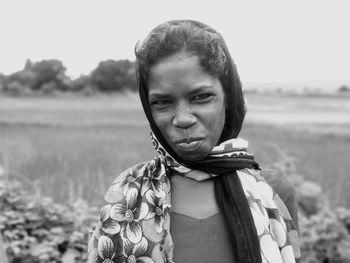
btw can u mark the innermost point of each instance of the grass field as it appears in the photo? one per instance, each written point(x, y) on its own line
point(69, 147)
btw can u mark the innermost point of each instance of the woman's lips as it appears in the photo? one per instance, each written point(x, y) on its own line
point(188, 145)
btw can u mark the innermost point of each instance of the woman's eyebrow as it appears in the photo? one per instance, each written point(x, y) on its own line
point(196, 90)
point(200, 89)
point(156, 95)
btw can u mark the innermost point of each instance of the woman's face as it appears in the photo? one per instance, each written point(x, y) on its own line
point(187, 104)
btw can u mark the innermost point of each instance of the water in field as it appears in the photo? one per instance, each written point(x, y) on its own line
point(71, 147)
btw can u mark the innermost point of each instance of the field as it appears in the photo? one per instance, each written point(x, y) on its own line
point(72, 147)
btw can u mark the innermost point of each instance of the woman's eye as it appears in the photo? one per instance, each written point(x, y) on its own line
point(160, 103)
point(202, 97)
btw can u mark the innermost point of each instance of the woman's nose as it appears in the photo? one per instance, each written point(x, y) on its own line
point(184, 118)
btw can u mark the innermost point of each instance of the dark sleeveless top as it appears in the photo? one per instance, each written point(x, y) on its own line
point(207, 240)
point(200, 240)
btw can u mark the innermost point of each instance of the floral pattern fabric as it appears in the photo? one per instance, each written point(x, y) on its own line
point(134, 224)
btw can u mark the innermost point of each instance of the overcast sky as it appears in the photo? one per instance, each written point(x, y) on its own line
point(269, 40)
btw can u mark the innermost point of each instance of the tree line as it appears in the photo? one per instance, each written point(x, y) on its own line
point(49, 77)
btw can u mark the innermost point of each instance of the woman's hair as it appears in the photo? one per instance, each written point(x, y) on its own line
point(176, 36)
point(203, 41)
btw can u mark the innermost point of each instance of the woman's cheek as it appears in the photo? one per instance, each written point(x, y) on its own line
point(163, 122)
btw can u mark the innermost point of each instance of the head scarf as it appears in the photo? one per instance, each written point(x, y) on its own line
point(235, 110)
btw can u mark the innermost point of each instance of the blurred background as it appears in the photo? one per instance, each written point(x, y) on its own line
point(71, 120)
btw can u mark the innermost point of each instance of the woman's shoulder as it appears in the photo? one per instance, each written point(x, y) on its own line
point(278, 182)
point(132, 176)
point(135, 177)
point(137, 198)
point(285, 191)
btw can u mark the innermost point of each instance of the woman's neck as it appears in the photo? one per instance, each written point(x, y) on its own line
point(193, 198)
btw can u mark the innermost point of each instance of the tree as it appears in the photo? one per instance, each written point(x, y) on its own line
point(46, 76)
point(48, 71)
point(84, 85)
point(344, 88)
point(2, 81)
point(114, 75)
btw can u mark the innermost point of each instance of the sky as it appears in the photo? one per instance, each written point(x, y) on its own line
point(270, 40)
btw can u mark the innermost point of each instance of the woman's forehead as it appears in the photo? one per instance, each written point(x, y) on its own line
point(176, 61)
point(179, 72)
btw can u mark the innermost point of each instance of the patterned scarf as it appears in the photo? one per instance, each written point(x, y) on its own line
point(135, 223)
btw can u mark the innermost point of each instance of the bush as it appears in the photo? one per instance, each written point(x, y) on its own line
point(324, 230)
point(35, 229)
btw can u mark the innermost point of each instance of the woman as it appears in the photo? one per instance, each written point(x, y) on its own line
point(204, 198)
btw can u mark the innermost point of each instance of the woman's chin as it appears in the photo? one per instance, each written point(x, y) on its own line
point(191, 152)
point(192, 158)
